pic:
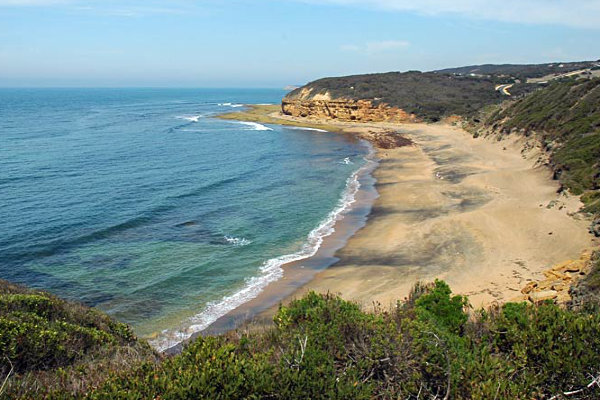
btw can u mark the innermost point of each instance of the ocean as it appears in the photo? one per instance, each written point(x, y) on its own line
point(140, 203)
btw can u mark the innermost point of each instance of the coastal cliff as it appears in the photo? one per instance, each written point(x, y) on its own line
point(346, 110)
point(304, 104)
point(423, 96)
point(391, 97)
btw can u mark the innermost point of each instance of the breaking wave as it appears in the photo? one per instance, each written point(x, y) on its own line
point(255, 126)
point(237, 241)
point(301, 128)
point(270, 271)
point(191, 118)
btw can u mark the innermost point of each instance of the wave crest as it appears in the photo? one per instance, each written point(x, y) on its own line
point(302, 128)
point(190, 118)
point(237, 241)
point(255, 126)
point(233, 105)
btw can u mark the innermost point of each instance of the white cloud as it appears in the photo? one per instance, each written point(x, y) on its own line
point(376, 47)
point(574, 13)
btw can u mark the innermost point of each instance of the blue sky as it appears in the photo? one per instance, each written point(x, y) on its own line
point(273, 43)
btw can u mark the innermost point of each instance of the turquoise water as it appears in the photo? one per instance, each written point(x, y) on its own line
point(137, 202)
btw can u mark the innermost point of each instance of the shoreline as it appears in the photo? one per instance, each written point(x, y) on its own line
point(480, 217)
point(474, 212)
point(349, 216)
point(486, 207)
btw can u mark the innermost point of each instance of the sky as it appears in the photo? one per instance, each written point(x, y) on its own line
point(274, 43)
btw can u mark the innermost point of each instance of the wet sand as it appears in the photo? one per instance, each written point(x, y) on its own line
point(260, 309)
point(474, 212)
point(482, 214)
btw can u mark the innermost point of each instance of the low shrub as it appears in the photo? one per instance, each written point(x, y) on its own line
point(324, 347)
point(44, 339)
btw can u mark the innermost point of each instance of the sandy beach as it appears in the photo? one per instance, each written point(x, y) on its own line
point(482, 214)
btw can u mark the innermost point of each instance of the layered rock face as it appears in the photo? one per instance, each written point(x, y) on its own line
point(306, 104)
point(345, 110)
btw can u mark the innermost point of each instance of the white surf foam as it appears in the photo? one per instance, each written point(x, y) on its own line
point(271, 270)
point(237, 241)
point(255, 126)
point(191, 118)
point(300, 128)
point(234, 105)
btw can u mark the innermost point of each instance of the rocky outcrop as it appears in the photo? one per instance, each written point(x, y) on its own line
point(306, 103)
point(386, 139)
point(346, 110)
point(558, 281)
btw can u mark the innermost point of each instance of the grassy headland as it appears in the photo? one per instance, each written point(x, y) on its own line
point(430, 96)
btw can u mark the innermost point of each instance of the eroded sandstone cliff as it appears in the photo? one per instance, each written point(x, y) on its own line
point(345, 110)
point(305, 102)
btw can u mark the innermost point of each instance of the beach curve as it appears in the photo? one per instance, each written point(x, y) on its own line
point(480, 213)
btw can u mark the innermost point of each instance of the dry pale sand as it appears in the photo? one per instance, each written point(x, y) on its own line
point(482, 214)
point(477, 213)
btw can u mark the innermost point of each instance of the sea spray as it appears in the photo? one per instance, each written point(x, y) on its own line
point(232, 105)
point(190, 118)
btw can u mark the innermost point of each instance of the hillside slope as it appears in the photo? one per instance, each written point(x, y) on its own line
point(521, 71)
point(48, 345)
point(429, 96)
point(565, 117)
